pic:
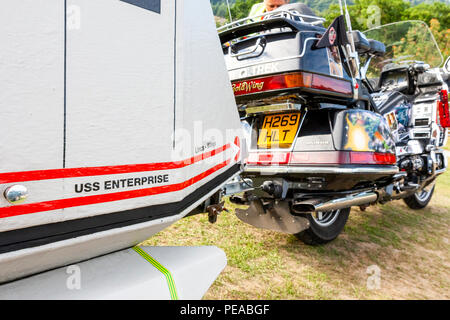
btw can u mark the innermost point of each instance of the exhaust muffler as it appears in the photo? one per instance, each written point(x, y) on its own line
point(324, 205)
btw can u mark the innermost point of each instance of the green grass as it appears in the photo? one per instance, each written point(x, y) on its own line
point(447, 147)
point(410, 247)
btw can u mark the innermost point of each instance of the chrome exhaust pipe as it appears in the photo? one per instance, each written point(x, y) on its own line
point(324, 205)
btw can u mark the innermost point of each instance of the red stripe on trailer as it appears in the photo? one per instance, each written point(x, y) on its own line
point(39, 175)
point(237, 143)
point(25, 209)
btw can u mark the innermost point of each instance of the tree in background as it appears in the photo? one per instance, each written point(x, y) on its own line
point(427, 11)
point(365, 14)
point(241, 8)
point(442, 36)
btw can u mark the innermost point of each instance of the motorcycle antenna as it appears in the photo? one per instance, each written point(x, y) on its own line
point(353, 54)
point(229, 11)
point(340, 5)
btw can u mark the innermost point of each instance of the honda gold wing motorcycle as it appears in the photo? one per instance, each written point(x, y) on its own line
point(320, 137)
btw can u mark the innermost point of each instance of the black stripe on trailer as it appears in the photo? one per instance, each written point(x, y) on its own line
point(45, 234)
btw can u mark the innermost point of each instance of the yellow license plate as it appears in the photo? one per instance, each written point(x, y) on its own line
point(278, 130)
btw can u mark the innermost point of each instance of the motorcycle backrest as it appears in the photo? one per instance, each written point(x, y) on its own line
point(362, 44)
point(367, 46)
point(377, 48)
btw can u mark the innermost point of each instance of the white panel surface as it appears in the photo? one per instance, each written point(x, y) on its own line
point(206, 105)
point(120, 88)
point(31, 84)
point(126, 275)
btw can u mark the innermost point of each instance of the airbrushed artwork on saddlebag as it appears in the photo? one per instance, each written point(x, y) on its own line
point(362, 131)
point(397, 112)
point(398, 120)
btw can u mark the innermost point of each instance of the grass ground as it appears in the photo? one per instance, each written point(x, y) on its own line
point(410, 250)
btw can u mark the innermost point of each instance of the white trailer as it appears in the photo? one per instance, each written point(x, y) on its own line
point(117, 119)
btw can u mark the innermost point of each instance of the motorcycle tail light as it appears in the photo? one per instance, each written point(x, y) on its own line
point(291, 81)
point(372, 158)
point(443, 108)
point(269, 158)
point(322, 158)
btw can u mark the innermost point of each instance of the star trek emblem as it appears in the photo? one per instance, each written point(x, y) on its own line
point(332, 36)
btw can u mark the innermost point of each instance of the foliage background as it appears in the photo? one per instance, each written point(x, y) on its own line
point(435, 13)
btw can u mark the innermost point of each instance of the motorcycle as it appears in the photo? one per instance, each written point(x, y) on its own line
point(321, 137)
point(411, 92)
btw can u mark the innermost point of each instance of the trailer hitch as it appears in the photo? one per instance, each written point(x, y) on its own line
point(214, 210)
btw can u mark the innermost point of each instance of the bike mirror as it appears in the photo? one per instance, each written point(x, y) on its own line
point(447, 65)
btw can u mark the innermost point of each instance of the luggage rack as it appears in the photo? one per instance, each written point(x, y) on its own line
point(288, 14)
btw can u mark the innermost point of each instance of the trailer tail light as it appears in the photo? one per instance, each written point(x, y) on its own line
point(322, 158)
point(443, 109)
point(292, 81)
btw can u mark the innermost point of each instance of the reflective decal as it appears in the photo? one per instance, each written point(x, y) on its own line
point(164, 271)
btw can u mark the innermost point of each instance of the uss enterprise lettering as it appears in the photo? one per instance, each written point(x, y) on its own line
point(121, 183)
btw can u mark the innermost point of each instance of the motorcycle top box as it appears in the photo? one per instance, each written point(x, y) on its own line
point(281, 59)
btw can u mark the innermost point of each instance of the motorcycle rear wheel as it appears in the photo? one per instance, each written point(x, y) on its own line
point(324, 227)
point(420, 199)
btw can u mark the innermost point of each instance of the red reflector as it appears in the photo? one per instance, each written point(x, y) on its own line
point(291, 80)
point(331, 84)
point(322, 157)
point(443, 110)
point(237, 143)
point(372, 158)
point(272, 158)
